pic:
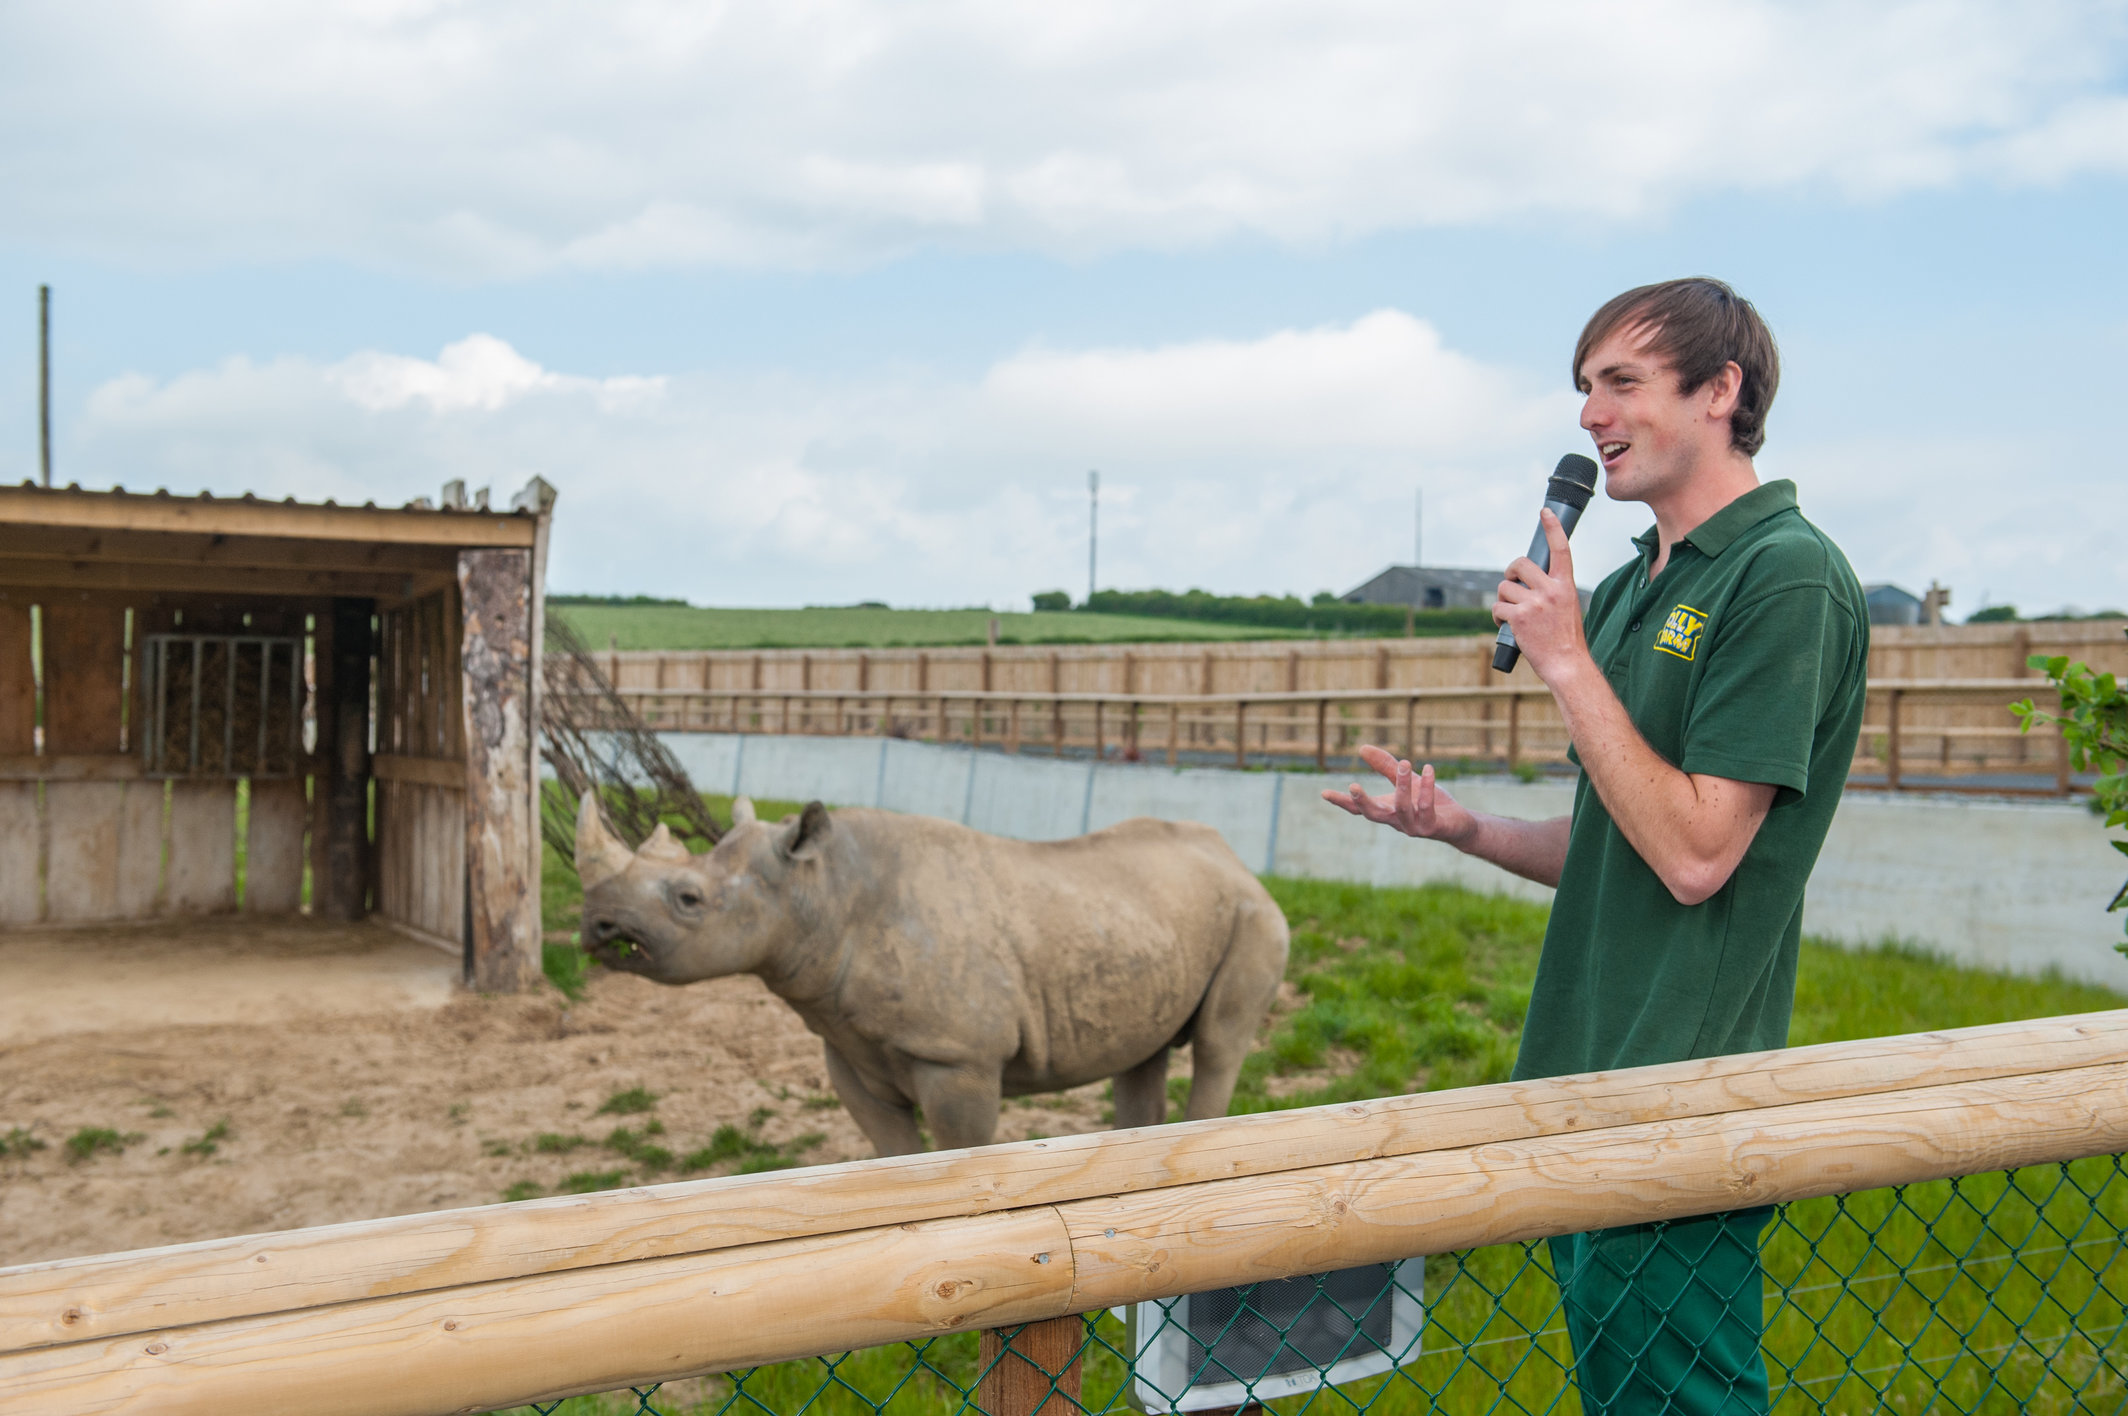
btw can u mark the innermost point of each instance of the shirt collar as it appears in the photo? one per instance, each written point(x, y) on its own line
point(1719, 531)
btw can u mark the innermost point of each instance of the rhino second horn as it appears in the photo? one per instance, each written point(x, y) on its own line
point(663, 848)
point(742, 809)
point(600, 855)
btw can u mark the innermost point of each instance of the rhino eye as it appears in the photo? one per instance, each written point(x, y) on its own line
point(690, 900)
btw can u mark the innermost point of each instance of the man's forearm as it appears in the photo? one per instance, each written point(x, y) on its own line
point(1690, 830)
point(1534, 850)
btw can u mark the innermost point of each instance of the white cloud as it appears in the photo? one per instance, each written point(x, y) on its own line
point(1282, 463)
point(484, 139)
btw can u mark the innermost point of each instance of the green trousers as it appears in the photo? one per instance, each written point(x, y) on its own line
point(1666, 1318)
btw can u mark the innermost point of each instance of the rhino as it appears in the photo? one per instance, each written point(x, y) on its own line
point(943, 968)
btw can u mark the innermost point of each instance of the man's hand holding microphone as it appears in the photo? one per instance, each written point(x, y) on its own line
point(1539, 613)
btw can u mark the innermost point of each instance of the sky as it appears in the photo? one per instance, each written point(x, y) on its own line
point(819, 301)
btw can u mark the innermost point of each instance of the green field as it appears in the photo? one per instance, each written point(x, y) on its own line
point(692, 627)
point(1404, 990)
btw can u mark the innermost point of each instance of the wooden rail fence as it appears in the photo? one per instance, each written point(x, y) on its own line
point(1938, 706)
point(1916, 733)
point(482, 1308)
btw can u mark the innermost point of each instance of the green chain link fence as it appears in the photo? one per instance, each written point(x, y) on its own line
point(1998, 1292)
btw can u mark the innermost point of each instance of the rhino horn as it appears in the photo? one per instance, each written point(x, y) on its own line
point(742, 810)
point(599, 853)
point(661, 847)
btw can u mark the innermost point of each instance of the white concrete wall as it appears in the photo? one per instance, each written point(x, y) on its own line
point(2017, 886)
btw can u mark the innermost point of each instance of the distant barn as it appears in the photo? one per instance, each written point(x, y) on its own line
point(1428, 587)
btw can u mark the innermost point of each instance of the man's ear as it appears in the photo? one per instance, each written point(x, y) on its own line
point(802, 839)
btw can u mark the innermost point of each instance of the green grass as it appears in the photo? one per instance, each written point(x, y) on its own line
point(1411, 989)
point(836, 627)
point(92, 1141)
point(632, 1102)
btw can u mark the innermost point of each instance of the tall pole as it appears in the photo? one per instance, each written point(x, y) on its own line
point(44, 379)
point(1093, 530)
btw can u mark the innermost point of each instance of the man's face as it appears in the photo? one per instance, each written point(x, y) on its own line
point(1649, 437)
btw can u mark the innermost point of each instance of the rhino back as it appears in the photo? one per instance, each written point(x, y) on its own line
point(1068, 960)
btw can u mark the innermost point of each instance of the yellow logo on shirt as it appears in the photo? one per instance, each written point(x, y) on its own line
point(1680, 632)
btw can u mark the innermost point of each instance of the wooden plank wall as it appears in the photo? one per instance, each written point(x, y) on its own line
point(1289, 666)
point(107, 843)
point(421, 858)
point(421, 843)
point(1942, 734)
point(21, 834)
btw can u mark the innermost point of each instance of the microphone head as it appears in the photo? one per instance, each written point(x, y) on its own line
point(1572, 481)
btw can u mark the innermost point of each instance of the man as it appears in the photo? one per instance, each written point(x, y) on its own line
point(1713, 698)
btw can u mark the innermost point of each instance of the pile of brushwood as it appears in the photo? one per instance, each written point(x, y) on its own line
point(593, 742)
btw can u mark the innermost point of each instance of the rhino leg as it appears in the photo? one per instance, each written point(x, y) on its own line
point(960, 1102)
point(891, 1128)
point(1141, 1093)
point(1233, 1009)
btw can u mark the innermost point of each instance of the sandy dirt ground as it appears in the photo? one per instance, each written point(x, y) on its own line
point(352, 1079)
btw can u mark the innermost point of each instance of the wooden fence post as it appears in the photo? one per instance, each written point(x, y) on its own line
point(1411, 730)
point(1100, 745)
point(1514, 732)
point(1032, 1370)
point(1241, 733)
point(1174, 730)
point(1322, 733)
point(1056, 713)
point(1891, 745)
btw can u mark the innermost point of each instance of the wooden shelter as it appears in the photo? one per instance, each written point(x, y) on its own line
point(209, 704)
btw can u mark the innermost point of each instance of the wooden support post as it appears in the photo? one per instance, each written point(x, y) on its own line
point(975, 721)
point(1514, 732)
point(502, 893)
point(1056, 714)
point(1130, 730)
point(786, 728)
point(1411, 730)
point(1322, 734)
point(1891, 743)
point(1100, 744)
point(344, 892)
point(842, 721)
point(941, 738)
point(1012, 727)
point(1241, 733)
point(1174, 730)
point(1031, 1370)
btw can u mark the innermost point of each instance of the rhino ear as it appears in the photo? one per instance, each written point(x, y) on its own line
point(742, 809)
point(661, 847)
point(599, 853)
point(802, 839)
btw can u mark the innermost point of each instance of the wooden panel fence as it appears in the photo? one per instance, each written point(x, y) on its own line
point(484, 1308)
point(1938, 698)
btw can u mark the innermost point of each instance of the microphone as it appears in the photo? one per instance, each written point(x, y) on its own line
point(1564, 497)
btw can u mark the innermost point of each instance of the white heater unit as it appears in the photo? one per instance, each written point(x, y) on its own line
point(1206, 1351)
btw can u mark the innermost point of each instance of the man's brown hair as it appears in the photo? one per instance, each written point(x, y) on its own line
point(1698, 325)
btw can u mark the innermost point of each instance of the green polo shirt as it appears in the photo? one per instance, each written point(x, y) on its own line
point(1745, 658)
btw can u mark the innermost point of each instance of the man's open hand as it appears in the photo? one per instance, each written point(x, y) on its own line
point(1415, 804)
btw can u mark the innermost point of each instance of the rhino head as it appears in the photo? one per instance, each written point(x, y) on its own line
point(670, 915)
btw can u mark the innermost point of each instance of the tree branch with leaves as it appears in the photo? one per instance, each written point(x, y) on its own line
point(2093, 720)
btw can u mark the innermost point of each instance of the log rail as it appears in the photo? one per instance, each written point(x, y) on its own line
point(490, 1307)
